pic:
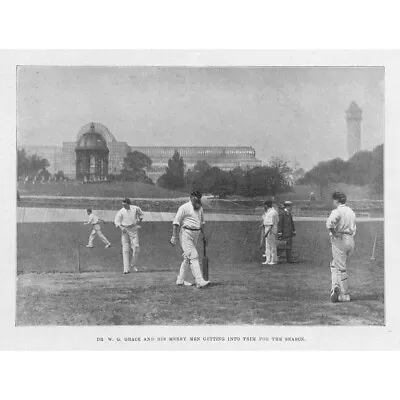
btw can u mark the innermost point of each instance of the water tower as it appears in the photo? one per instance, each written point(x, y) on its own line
point(354, 118)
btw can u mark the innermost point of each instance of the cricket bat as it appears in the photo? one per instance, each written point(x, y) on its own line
point(205, 261)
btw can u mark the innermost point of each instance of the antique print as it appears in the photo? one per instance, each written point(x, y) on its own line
point(200, 196)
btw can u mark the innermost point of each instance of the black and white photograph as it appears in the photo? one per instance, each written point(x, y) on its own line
point(191, 196)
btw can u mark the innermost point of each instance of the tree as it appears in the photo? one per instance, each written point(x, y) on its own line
point(261, 181)
point(38, 163)
point(30, 165)
point(218, 182)
point(59, 176)
point(134, 167)
point(194, 177)
point(43, 175)
point(240, 183)
point(281, 166)
point(298, 174)
point(22, 163)
point(364, 168)
point(377, 168)
point(280, 174)
point(326, 172)
point(174, 177)
point(359, 168)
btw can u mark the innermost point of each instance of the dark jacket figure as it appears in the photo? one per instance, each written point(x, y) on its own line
point(286, 229)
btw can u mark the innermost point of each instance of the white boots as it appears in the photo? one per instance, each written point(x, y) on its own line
point(196, 272)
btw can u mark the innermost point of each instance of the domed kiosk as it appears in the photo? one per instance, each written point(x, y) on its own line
point(92, 153)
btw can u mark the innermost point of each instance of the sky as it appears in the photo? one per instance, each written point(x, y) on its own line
point(291, 112)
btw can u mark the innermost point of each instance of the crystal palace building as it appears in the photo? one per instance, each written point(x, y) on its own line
point(96, 154)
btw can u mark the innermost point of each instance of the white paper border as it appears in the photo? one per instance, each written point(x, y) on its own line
point(84, 338)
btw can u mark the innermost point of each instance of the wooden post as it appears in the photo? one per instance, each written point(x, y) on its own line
point(78, 256)
point(373, 250)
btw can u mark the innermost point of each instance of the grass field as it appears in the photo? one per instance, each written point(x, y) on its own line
point(50, 291)
point(110, 189)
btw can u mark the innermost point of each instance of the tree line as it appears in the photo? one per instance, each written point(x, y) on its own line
point(32, 168)
point(364, 168)
point(30, 165)
point(258, 181)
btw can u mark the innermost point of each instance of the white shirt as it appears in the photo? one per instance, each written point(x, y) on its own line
point(189, 217)
point(93, 219)
point(342, 220)
point(129, 217)
point(271, 218)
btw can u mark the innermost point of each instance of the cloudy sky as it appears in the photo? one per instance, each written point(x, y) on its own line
point(290, 112)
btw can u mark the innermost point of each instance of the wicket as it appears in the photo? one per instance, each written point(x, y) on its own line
point(373, 250)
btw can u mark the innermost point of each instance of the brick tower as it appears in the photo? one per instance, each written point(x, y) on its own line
point(354, 118)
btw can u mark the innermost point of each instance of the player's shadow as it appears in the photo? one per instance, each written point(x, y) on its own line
point(366, 297)
point(153, 270)
point(215, 284)
point(293, 263)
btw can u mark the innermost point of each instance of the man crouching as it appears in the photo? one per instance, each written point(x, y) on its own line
point(190, 220)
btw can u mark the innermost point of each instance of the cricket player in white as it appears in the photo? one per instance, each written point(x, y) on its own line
point(128, 220)
point(270, 222)
point(342, 229)
point(190, 220)
point(94, 220)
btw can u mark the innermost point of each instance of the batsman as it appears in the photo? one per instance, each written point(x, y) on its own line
point(128, 220)
point(342, 229)
point(189, 220)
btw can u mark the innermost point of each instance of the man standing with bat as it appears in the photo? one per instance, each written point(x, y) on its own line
point(128, 220)
point(269, 230)
point(189, 220)
point(342, 229)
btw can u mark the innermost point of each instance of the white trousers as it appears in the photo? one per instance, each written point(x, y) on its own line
point(342, 249)
point(96, 231)
point(190, 255)
point(270, 249)
point(130, 243)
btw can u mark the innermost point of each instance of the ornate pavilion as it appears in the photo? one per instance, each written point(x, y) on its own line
point(91, 156)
